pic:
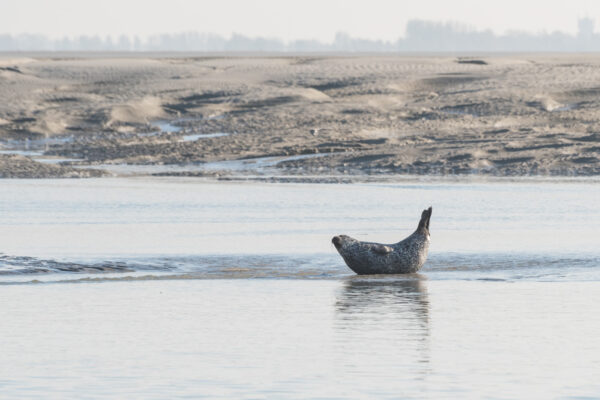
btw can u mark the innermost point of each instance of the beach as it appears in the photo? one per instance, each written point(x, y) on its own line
point(346, 116)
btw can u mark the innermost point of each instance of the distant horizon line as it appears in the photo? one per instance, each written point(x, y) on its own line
point(419, 36)
point(458, 26)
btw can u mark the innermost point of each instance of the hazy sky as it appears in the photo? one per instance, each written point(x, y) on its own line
point(285, 19)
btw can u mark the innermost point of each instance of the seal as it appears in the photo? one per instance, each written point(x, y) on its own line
point(404, 257)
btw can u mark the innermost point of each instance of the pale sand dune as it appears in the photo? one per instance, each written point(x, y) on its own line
point(142, 111)
point(502, 115)
point(54, 122)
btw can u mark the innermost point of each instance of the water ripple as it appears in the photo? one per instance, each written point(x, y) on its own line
point(447, 266)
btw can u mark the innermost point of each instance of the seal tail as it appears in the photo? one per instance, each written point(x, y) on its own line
point(425, 218)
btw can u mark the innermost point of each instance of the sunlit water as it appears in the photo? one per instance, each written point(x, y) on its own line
point(155, 288)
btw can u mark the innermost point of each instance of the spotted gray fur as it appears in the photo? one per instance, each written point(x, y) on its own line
point(404, 257)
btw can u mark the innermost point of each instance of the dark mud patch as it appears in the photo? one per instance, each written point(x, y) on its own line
point(595, 149)
point(471, 61)
point(536, 147)
point(23, 120)
point(354, 111)
point(345, 145)
point(374, 141)
point(553, 135)
point(199, 99)
point(324, 86)
point(270, 102)
point(16, 70)
point(460, 157)
point(594, 137)
point(585, 160)
point(448, 80)
point(61, 100)
point(514, 160)
point(473, 109)
point(208, 96)
point(368, 158)
point(496, 131)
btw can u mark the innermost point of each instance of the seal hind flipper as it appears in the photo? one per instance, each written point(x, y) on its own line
point(425, 218)
point(382, 249)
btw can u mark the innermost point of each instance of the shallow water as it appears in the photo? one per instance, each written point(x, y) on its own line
point(194, 137)
point(159, 288)
point(256, 165)
point(26, 153)
point(248, 167)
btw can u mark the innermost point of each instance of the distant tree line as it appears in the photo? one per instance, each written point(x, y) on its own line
point(419, 36)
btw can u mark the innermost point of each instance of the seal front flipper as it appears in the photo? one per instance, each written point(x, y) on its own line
point(381, 249)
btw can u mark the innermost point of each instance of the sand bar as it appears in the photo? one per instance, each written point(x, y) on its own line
point(375, 116)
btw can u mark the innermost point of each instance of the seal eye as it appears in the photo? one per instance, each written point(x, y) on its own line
point(337, 242)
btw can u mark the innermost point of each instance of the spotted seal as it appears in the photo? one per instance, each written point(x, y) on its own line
point(404, 257)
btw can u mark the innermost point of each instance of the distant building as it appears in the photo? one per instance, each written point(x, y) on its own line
point(586, 28)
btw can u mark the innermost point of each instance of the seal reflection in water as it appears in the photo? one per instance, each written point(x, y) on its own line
point(404, 257)
point(375, 314)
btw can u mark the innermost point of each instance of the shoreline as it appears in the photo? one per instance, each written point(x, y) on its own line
point(51, 172)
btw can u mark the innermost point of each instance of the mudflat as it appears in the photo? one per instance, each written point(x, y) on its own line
point(340, 116)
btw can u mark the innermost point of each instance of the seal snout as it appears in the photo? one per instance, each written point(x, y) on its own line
point(337, 242)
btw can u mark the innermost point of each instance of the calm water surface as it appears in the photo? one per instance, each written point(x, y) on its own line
point(155, 288)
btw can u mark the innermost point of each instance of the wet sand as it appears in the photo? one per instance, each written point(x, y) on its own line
point(19, 166)
point(340, 117)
